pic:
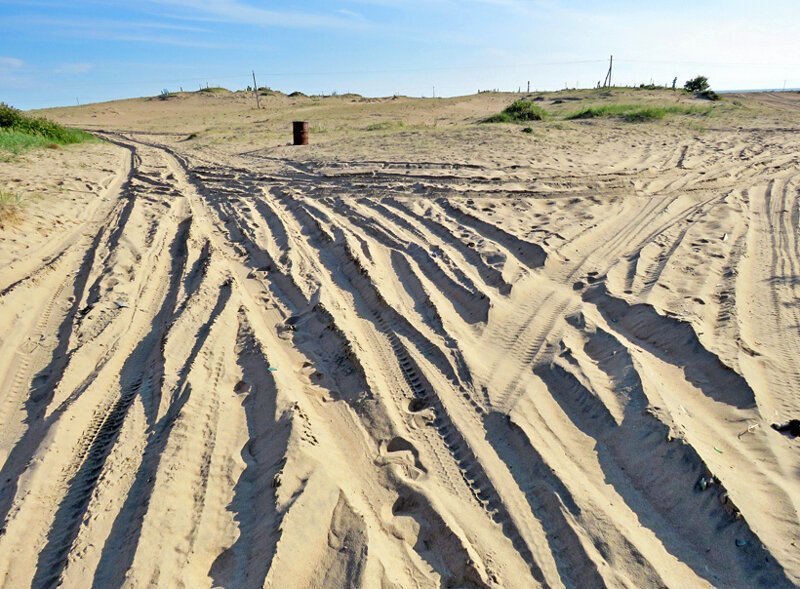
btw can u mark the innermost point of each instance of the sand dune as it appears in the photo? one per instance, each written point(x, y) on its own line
point(490, 362)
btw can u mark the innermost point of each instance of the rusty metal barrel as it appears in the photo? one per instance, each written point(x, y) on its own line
point(300, 129)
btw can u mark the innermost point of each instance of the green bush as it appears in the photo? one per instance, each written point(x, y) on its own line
point(9, 117)
point(19, 132)
point(697, 85)
point(519, 111)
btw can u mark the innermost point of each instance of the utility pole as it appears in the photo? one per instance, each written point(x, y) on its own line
point(607, 82)
point(255, 89)
point(529, 86)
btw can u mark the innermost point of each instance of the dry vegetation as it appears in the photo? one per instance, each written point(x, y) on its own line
point(10, 205)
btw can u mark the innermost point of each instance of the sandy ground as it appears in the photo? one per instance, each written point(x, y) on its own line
point(418, 353)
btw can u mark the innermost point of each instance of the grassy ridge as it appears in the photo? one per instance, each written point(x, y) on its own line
point(634, 113)
point(521, 111)
point(19, 132)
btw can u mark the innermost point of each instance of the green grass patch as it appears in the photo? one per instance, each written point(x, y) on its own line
point(17, 142)
point(635, 113)
point(517, 112)
point(20, 132)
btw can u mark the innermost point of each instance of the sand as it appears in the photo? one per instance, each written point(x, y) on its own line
point(420, 352)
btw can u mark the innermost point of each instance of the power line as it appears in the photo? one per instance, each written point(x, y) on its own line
point(712, 63)
point(435, 69)
point(246, 77)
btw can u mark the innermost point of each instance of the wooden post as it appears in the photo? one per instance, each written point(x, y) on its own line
point(607, 82)
point(255, 89)
point(610, 67)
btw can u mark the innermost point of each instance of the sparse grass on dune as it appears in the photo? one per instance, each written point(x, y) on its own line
point(19, 132)
point(385, 126)
point(635, 113)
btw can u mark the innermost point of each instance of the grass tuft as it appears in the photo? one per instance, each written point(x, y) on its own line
point(10, 205)
point(20, 132)
point(634, 113)
point(519, 111)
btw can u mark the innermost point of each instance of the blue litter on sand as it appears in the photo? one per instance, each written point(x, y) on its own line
point(271, 369)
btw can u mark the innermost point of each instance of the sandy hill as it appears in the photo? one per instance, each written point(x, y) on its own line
point(421, 352)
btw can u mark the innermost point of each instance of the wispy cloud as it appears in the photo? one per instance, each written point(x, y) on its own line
point(11, 63)
point(66, 24)
point(13, 73)
point(235, 11)
point(74, 68)
point(149, 32)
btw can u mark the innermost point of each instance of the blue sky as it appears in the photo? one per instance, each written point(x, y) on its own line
point(57, 53)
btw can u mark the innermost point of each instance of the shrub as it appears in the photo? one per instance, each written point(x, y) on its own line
point(517, 111)
point(9, 116)
point(708, 95)
point(697, 85)
point(19, 132)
